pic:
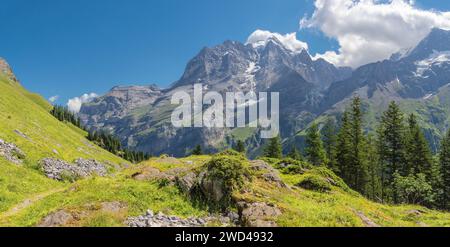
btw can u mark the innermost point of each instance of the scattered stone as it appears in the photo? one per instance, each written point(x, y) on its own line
point(58, 218)
point(258, 214)
point(415, 212)
point(21, 134)
point(367, 222)
point(11, 152)
point(88, 167)
point(150, 173)
point(162, 220)
point(269, 174)
point(113, 207)
point(60, 170)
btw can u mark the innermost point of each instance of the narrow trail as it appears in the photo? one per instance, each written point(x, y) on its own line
point(28, 202)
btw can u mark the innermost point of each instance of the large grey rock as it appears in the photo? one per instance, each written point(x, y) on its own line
point(187, 182)
point(258, 214)
point(213, 188)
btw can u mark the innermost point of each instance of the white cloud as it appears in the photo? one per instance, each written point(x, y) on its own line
point(53, 98)
point(261, 37)
point(372, 30)
point(74, 104)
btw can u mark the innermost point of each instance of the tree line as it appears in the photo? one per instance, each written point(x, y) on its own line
point(392, 165)
point(101, 138)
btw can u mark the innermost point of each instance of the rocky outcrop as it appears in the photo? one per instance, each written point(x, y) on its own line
point(65, 217)
point(11, 152)
point(56, 219)
point(61, 170)
point(267, 172)
point(161, 220)
point(5, 69)
point(150, 219)
point(187, 182)
point(258, 214)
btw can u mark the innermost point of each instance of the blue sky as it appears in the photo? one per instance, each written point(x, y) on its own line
point(68, 48)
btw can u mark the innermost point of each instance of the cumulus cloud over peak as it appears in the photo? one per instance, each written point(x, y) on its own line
point(289, 41)
point(372, 30)
point(74, 104)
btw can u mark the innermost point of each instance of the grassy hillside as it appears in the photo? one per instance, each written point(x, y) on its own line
point(25, 121)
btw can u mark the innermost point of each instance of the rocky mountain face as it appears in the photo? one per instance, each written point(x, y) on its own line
point(308, 89)
point(419, 72)
point(140, 115)
point(417, 78)
point(6, 70)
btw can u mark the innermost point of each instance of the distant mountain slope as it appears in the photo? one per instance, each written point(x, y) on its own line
point(417, 79)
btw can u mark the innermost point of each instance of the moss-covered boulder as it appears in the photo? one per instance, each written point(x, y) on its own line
point(219, 178)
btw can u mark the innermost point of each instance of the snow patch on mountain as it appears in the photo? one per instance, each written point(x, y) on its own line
point(249, 76)
point(437, 58)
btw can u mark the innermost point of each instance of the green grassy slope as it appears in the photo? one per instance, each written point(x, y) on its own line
point(43, 136)
point(25, 121)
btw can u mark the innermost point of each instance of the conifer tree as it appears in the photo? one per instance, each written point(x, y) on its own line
point(343, 148)
point(240, 146)
point(392, 147)
point(197, 150)
point(374, 184)
point(314, 146)
point(330, 141)
point(419, 157)
point(444, 161)
point(358, 165)
point(295, 154)
point(274, 148)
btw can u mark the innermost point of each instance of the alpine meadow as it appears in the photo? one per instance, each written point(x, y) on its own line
point(342, 123)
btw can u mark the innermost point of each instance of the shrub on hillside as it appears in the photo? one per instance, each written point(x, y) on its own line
point(315, 182)
point(413, 189)
point(291, 166)
point(232, 170)
point(230, 152)
point(330, 176)
point(219, 178)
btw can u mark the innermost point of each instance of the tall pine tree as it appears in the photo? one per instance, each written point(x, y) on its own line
point(314, 146)
point(444, 160)
point(392, 150)
point(343, 149)
point(240, 146)
point(358, 165)
point(374, 185)
point(295, 154)
point(329, 142)
point(419, 157)
point(274, 148)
